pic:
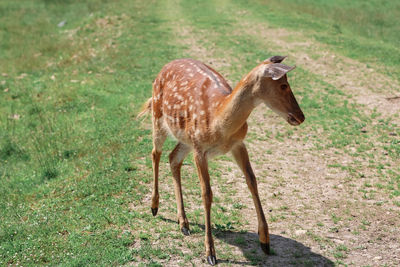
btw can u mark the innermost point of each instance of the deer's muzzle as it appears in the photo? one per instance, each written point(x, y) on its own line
point(295, 119)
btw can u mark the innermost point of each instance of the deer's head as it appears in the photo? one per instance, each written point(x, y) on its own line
point(274, 90)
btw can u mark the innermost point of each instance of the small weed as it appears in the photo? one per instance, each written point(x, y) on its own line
point(240, 240)
point(366, 223)
point(273, 218)
point(144, 236)
point(334, 229)
point(129, 168)
point(10, 149)
point(341, 248)
point(367, 184)
point(238, 206)
point(339, 255)
point(314, 236)
point(335, 218)
point(50, 173)
point(224, 227)
point(356, 232)
point(297, 254)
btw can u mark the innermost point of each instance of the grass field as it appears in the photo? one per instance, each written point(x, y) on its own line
point(75, 166)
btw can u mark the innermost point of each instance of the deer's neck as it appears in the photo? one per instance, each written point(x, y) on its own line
point(237, 107)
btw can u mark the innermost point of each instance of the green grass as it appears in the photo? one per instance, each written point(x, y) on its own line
point(76, 156)
point(366, 31)
point(74, 162)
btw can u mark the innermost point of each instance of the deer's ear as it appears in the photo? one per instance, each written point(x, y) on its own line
point(277, 70)
point(275, 59)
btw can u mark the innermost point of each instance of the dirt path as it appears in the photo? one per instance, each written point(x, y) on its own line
point(317, 214)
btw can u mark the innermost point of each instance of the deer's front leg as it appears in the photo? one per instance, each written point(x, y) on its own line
point(202, 169)
point(242, 158)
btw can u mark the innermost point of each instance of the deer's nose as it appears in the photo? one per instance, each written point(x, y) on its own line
point(301, 117)
point(295, 119)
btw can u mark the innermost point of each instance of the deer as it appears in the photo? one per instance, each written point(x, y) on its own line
point(195, 105)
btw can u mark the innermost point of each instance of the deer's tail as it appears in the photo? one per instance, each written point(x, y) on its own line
point(145, 108)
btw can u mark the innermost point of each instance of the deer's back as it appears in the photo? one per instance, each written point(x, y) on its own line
point(186, 96)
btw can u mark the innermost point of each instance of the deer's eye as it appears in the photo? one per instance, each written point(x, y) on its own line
point(284, 86)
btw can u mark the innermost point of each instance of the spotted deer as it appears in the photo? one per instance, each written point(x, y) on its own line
point(194, 103)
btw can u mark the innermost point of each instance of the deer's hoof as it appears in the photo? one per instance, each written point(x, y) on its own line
point(266, 248)
point(212, 260)
point(154, 211)
point(185, 231)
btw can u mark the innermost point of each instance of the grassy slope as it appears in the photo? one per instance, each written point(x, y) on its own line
point(76, 153)
point(72, 156)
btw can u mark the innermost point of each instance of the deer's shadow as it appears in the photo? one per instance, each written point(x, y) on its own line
point(285, 251)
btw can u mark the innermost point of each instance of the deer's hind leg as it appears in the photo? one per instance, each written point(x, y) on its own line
point(176, 159)
point(159, 136)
